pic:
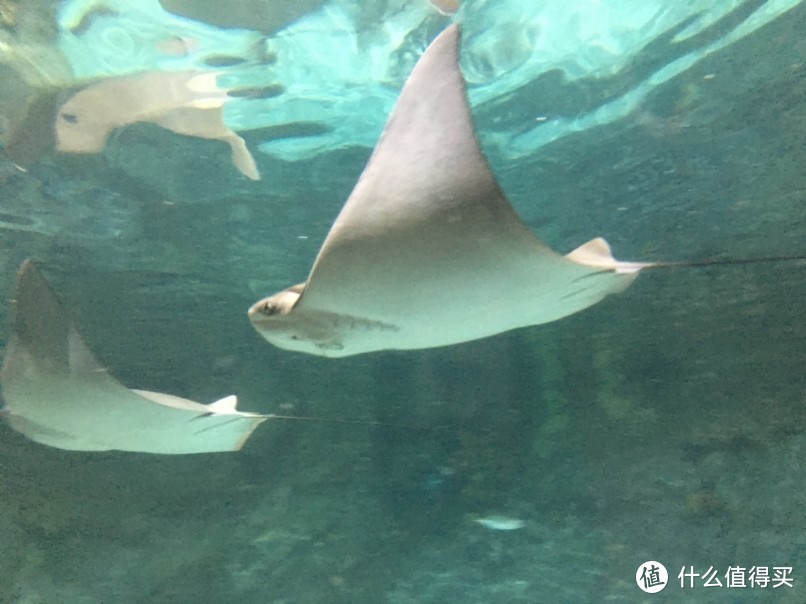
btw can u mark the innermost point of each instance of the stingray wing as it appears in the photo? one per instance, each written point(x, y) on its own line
point(427, 239)
point(58, 394)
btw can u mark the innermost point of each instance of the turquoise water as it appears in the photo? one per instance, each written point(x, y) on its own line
point(665, 423)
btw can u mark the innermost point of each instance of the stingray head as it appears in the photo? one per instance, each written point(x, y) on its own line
point(274, 321)
point(80, 131)
point(278, 305)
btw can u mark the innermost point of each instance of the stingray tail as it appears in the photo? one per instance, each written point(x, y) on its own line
point(704, 262)
point(365, 422)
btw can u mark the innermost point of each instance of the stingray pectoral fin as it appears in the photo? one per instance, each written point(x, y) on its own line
point(427, 219)
point(208, 122)
point(41, 327)
point(242, 158)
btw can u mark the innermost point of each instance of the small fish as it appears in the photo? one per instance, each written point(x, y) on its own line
point(500, 523)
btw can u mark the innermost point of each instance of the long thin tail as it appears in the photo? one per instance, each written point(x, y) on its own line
point(723, 262)
point(333, 420)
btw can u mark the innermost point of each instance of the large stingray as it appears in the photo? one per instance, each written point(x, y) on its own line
point(427, 251)
point(57, 393)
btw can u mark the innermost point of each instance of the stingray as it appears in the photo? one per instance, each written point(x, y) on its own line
point(58, 394)
point(427, 251)
point(186, 102)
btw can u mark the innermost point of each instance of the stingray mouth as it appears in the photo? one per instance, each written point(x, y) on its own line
point(262, 321)
point(271, 321)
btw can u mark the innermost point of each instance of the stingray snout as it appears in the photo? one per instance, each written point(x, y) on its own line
point(265, 307)
point(279, 304)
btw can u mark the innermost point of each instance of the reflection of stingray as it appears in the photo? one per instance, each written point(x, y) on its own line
point(427, 250)
point(185, 102)
point(80, 119)
point(57, 393)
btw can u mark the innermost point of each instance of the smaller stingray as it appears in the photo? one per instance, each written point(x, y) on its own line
point(427, 250)
point(58, 394)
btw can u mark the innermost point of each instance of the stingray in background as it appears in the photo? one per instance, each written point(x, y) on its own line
point(427, 251)
point(80, 120)
point(58, 394)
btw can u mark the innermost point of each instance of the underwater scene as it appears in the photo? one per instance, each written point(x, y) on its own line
point(402, 301)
